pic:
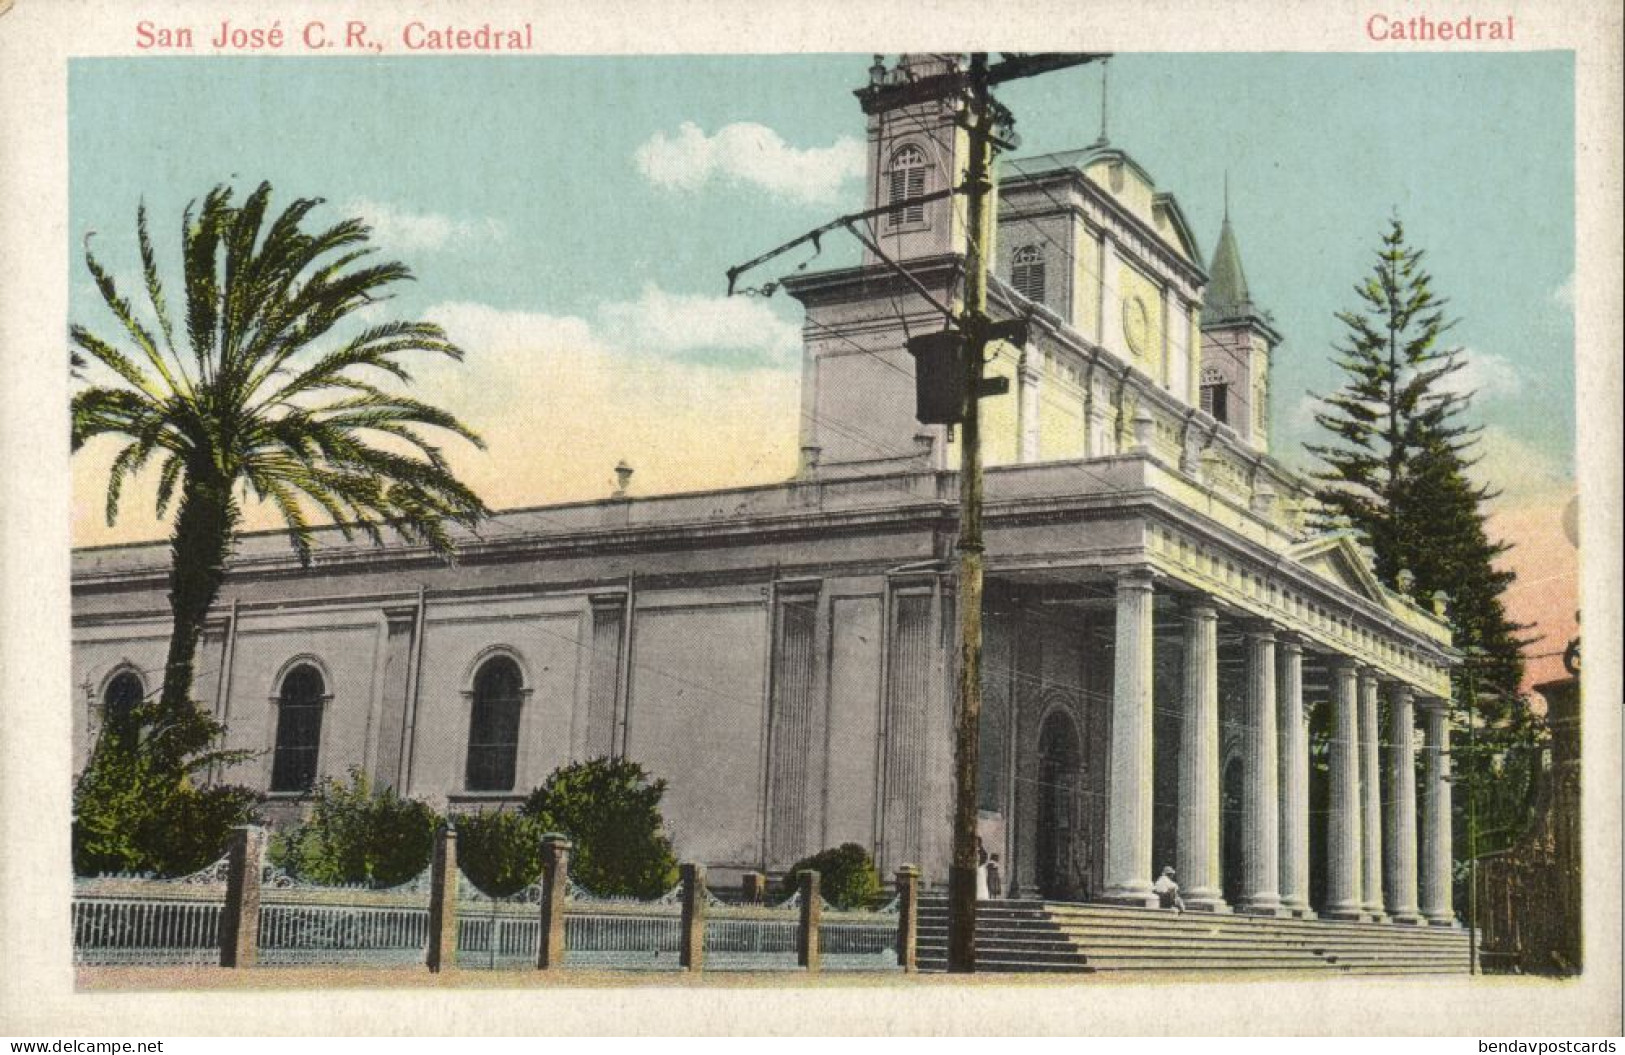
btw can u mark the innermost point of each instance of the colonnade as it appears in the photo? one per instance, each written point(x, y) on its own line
point(1376, 869)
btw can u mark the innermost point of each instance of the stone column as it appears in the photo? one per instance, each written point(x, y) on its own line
point(1292, 734)
point(1436, 857)
point(808, 953)
point(555, 875)
point(1370, 798)
point(1343, 820)
point(1260, 798)
point(1128, 799)
point(1197, 854)
point(908, 918)
point(1400, 842)
point(691, 953)
point(240, 919)
point(442, 954)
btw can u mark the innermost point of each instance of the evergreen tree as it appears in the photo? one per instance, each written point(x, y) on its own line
point(1397, 472)
point(1397, 468)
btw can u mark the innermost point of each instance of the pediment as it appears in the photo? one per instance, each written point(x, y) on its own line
point(1338, 558)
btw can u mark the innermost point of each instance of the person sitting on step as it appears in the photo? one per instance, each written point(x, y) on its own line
point(1167, 890)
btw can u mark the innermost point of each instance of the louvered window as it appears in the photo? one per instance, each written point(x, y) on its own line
point(1215, 395)
point(907, 180)
point(1027, 272)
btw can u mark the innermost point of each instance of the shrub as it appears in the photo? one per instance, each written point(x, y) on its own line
point(610, 809)
point(846, 875)
point(357, 833)
point(138, 805)
point(500, 852)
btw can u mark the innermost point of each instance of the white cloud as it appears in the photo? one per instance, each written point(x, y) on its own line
point(1563, 295)
point(560, 399)
point(1484, 375)
point(677, 324)
point(656, 325)
point(397, 230)
point(753, 154)
point(1516, 468)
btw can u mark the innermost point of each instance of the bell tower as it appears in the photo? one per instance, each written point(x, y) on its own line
point(916, 147)
point(1237, 342)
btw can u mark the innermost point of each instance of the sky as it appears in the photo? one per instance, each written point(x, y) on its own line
point(570, 220)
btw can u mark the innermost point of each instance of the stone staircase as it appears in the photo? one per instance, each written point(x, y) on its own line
point(1031, 935)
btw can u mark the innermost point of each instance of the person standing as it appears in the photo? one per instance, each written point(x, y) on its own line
point(995, 878)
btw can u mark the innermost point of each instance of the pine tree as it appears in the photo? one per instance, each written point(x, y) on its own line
point(1397, 473)
point(1397, 470)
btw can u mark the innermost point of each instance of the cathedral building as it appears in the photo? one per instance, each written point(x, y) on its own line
point(1178, 670)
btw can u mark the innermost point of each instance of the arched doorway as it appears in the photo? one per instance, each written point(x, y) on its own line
point(1059, 820)
point(1230, 865)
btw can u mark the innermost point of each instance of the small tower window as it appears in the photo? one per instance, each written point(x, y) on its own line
point(1027, 272)
point(298, 729)
point(1215, 395)
point(907, 180)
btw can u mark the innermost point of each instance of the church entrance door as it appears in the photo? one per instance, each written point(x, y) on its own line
point(1230, 863)
point(1059, 818)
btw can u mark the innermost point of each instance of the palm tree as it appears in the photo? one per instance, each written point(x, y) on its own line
point(261, 396)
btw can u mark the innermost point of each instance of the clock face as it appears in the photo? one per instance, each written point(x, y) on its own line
point(1136, 323)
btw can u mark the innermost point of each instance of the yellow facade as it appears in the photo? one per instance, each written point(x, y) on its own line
point(1143, 321)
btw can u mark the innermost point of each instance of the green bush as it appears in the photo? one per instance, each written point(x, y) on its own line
point(610, 809)
point(499, 852)
point(846, 875)
point(357, 833)
point(138, 806)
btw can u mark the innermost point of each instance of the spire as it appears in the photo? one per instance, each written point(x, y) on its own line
point(1105, 86)
point(1228, 299)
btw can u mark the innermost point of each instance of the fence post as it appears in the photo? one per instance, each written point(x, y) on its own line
point(555, 871)
point(691, 956)
point(808, 954)
point(240, 919)
point(753, 890)
point(908, 918)
point(443, 901)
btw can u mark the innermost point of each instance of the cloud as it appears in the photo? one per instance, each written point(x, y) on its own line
point(1485, 376)
point(749, 154)
point(1563, 295)
point(1518, 469)
point(718, 331)
point(561, 399)
point(397, 230)
point(681, 324)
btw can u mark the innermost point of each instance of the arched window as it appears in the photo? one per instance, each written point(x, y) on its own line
point(493, 727)
point(119, 701)
point(907, 180)
point(298, 729)
point(1027, 272)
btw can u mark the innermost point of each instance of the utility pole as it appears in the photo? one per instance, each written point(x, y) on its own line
point(968, 722)
point(962, 350)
